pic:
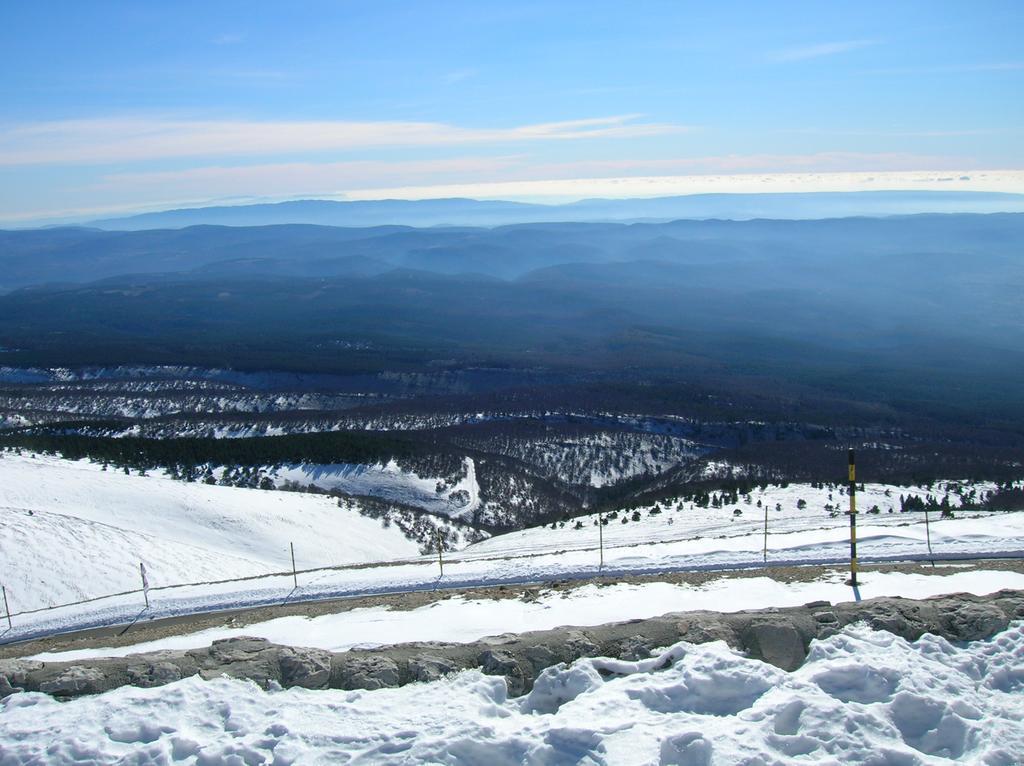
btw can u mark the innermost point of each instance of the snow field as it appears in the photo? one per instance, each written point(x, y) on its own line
point(69, 531)
point(862, 697)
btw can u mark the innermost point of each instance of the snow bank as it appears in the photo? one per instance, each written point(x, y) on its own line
point(863, 697)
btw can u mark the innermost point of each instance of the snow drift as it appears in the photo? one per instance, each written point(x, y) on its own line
point(862, 697)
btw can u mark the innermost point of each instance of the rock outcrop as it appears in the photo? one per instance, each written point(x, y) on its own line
point(777, 636)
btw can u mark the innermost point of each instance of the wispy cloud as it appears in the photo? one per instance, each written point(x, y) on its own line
point(295, 178)
point(98, 141)
point(812, 162)
point(817, 50)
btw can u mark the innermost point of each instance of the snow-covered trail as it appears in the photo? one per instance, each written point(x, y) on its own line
point(463, 619)
point(999, 536)
point(862, 697)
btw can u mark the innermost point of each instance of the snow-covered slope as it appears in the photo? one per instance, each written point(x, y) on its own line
point(790, 508)
point(70, 530)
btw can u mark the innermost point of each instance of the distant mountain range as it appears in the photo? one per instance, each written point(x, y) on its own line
point(919, 311)
point(471, 212)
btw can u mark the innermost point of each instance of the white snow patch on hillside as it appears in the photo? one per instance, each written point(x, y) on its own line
point(390, 482)
point(70, 530)
point(463, 620)
point(862, 697)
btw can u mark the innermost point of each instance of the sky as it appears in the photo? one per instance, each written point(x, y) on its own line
point(109, 107)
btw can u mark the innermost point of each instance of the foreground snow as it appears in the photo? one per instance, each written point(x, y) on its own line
point(862, 697)
point(463, 620)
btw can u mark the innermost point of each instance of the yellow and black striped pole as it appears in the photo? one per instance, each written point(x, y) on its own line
point(853, 521)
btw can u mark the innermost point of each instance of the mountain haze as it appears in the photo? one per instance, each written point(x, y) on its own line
point(467, 212)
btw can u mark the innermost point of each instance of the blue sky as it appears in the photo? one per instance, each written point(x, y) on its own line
point(132, 105)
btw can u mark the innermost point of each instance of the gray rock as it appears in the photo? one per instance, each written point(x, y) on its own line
point(579, 644)
point(971, 622)
point(6, 690)
point(238, 649)
point(308, 668)
point(705, 627)
point(153, 674)
point(778, 645)
point(369, 672)
point(426, 668)
point(17, 671)
point(498, 662)
point(634, 648)
point(892, 615)
point(541, 656)
point(74, 681)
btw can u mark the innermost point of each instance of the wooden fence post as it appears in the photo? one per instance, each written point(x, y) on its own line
point(145, 583)
point(853, 520)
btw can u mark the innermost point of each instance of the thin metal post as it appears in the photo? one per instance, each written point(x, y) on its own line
point(853, 521)
point(295, 575)
point(766, 533)
point(440, 542)
point(7, 609)
point(928, 534)
point(600, 539)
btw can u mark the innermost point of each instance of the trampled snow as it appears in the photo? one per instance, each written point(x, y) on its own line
point(462, 620)
point(862, 697)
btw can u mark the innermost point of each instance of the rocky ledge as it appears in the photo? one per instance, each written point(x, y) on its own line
point(778, 636)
